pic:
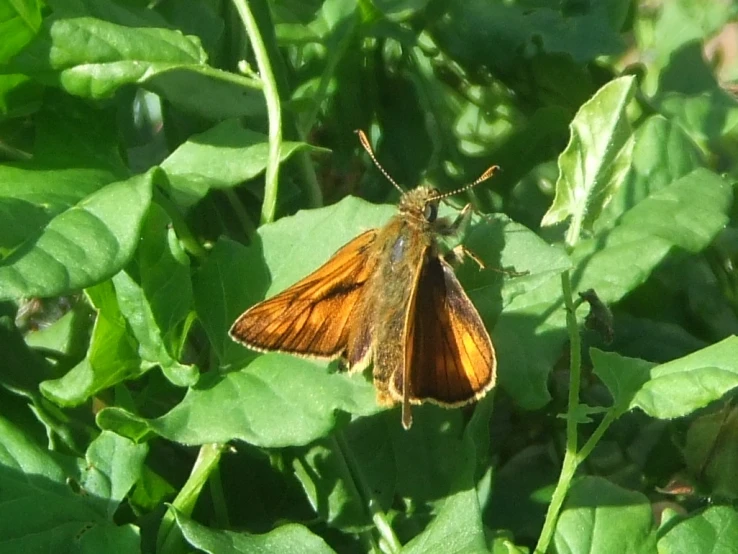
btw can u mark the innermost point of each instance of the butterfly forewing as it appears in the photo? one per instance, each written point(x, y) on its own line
point(313, 317)
point(450, 356)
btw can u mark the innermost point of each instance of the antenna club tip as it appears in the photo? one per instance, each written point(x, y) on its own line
point(490, 172)
point(363, 138)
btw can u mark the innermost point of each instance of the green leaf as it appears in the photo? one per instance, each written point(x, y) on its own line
point(241, 155)
point(531, 330)
point(70, 132)
point(19, 21)
point(220, 295)
point(30, 197)
point(673, 389)
point(690, 94)
point(113, 465)
point(156, 306)
point(596, 159)
point(111, 356)
point(662, 153)
point(292, 538)
point(711, 451)
point(437, 462)
point(32, 479)
point(688, 21)
point(666, 219)
point(93, 58)
point(81, 246)
point(456, 529)
point(622, 376)
point(275, 401)
point(325, 476)
point(682, 386)
point(503, 35)
point(63, 336)
point(712, 531)
point(600, 517)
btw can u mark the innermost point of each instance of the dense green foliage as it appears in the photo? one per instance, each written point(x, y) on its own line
point(167, 164)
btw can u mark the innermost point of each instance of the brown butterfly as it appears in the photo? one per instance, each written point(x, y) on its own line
point(390, 298)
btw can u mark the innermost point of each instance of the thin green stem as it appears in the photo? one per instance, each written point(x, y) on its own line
point(574, 230)
point(241, 80)
point(220, 507)
point(571, 457)
point(378, 516)
point(170, 539)
point(568, 469)
point(575, 362)
point(586, 450)
point(274, 110)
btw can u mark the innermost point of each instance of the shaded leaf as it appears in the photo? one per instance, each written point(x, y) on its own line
point(30, 197)
point(711, 452)
point(19, 22)
point(32, 479)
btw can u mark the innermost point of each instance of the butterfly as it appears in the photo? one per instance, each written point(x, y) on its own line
point(387, 298)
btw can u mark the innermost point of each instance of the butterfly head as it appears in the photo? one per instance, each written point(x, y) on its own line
point(421, 203)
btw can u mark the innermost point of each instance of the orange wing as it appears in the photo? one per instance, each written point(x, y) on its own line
point(450, 358)
point(312, 317)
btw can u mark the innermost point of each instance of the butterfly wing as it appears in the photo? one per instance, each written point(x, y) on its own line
point(450, 359)
point(313, 317)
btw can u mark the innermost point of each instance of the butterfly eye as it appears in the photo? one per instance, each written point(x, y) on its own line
point(430, 213)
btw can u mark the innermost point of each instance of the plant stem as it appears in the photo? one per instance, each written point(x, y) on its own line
point(586, 450)
point(170, 538)
point(378, 516)
point(274, 110)
point(568, 470)
point(575, 363)
point(571, 457)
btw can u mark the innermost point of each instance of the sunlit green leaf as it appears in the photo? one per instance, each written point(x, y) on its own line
point(81, 246)
point(596, 159)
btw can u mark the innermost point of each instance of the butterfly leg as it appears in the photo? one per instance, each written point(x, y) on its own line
point(458, 226)
point(456, 255)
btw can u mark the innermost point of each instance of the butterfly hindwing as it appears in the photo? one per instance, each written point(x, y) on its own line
point(450, 357)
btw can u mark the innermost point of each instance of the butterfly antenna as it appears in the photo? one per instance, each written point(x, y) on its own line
point(483, 177)
point(368, 147)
